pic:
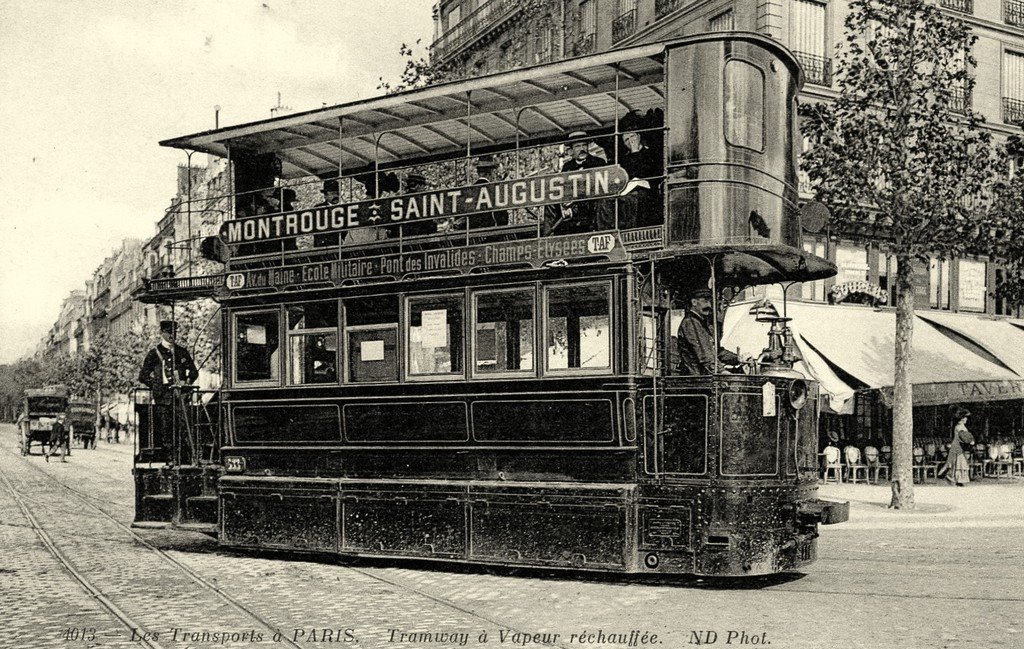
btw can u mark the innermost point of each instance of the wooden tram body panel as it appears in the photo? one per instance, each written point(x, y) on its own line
point(625, 468)
point(575, 474)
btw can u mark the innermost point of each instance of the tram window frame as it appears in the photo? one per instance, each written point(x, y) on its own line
point(393, 327)
point(302, 333)
point(459, 298)
point(531, 290)
point(547, 289)
point(731, 86)
point(277, 371)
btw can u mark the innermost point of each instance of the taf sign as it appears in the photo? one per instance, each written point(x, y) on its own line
point(600, 243)
point(564, 187)
point(235, 281)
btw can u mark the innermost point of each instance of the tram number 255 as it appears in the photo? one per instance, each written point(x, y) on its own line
point(72, 634)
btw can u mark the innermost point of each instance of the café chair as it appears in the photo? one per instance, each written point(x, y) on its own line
point(977, 461)
point(871, 458)
point(1002, 463)
point(922, 467)
point(854, 464)
point(833, 465)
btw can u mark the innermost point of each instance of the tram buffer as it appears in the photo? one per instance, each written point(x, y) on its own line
point(166, 370)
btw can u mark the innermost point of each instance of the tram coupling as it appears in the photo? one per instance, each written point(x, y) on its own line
point(825, 512)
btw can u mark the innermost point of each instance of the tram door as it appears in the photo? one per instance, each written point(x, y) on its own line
point(676, 409)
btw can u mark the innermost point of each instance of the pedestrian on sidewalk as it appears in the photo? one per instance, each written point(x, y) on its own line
point(59, 439)
point(958, 467)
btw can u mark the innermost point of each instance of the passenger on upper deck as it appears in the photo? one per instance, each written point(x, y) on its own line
point(697, 351)
point(581, 216)
point(388, 185)
point(415, 182)
point(640, 204)
point(486, 167)
point(332, 196)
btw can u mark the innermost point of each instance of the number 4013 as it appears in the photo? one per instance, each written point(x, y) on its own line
point(78, 633)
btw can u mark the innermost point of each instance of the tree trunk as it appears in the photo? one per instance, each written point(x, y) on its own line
point(902, 391)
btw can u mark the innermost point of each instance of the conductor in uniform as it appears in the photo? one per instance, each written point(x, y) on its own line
point(167, 366)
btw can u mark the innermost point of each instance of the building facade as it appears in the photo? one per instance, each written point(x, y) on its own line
point(483, 36)
point(955, 297)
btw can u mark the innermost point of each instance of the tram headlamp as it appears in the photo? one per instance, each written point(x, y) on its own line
point(797, 394)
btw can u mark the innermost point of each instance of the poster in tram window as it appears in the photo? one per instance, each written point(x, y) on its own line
point(434, 328)
point(971, 285)
point(371, 350)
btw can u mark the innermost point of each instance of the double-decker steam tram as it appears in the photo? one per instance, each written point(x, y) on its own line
point(452, 324)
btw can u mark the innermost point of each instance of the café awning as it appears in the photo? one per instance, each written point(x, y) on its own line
point(858, 344)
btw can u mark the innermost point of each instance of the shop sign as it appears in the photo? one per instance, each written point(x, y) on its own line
point(552, 251)
point(859, 290)
point(935, 394)
point(565, 187)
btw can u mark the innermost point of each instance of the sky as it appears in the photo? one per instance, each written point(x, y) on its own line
point(87, 89)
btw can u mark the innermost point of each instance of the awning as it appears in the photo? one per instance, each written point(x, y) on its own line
point(859, 342)
point(746, 335)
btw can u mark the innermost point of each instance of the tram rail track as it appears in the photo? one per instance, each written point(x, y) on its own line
point(94, 590)
point(88, 500)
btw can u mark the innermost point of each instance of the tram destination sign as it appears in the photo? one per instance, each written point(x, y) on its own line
point(565, 187)
point(535, 252)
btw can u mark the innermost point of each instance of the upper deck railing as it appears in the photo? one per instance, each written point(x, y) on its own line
point(448, 170)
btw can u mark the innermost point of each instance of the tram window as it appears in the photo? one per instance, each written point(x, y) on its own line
point(313, 343)
point(578, 327)
point(371, 334)
point(435, 335)
point(744, 105)
point(257, 344)
point(504, 329)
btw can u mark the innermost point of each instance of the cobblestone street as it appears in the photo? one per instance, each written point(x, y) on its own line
point(948, 575)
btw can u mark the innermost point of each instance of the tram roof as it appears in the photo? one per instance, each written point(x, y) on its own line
point(576, 94)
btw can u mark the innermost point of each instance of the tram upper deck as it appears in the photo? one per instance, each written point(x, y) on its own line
point(657, 151)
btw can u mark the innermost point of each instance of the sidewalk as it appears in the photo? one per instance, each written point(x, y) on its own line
point(983, 503)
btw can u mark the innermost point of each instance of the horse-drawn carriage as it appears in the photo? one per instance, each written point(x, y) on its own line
point(82, 422)
point(40, 408)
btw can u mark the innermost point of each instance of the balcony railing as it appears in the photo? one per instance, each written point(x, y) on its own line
point(485, 17)
point(584, 45)
point(624, 25)
point(963, 6)
point(662, 7)
point(818, 69)
point(960, 101)
point(1013, 111)
point(1013, 12)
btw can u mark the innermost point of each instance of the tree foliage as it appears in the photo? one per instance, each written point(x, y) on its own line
point(892, 154)
point(109, 367)
point(1002, 236)
point(419, 71)
point(15, 378)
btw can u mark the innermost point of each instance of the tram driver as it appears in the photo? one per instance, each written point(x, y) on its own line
point(697, 351)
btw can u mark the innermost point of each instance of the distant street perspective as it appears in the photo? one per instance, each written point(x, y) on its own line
point(75, 574)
